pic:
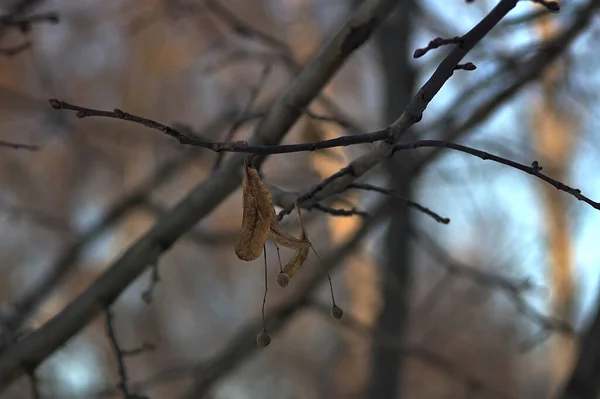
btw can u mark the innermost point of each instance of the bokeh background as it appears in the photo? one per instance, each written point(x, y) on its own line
point(437, 307)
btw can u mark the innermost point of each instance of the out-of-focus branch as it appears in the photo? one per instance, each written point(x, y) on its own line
point(33, 349)
point(221, 146)
point(395, 343)
point(24, 23)
point(10, 52)
point(16, 10)
point(67, 260)
point(513, 289)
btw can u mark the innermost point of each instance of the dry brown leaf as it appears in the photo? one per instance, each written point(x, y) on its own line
point(297, 260)
point(258, 212)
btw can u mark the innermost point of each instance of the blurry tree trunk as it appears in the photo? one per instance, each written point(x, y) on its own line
point(393, 41)
point(553, 136)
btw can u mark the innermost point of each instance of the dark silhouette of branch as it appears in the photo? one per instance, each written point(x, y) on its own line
point(524, 73)
point(395, 343)
point(17, 9)
point(413, 113)
point(340, 212)
point(405, 201)
point(18, 146)
point(120, 355)
point(219, 146)
point(534, 169)
point(512, 288)
point(24, 23)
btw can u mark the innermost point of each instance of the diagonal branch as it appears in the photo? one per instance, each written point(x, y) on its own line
point(413, 112)
point(527, 72)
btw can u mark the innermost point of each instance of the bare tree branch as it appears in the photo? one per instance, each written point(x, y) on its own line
point(220, 146)
point(534, 169)
point(413, 112)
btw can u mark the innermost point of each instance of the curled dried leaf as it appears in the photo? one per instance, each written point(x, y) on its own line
point(297, 260)
point(258, 212)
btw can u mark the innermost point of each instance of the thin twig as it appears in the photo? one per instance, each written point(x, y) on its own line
point(240, 120)
point(534, 169)
point(120, 355)
point(340, 212)
point(243, 29)
point(406, 201)
point(396, 343)
point(220, 146)
point(19, 146)
point(513, 289)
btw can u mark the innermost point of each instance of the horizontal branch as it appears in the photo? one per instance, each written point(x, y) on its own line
point(18, 146)
point(221, 146)
point(395, 342)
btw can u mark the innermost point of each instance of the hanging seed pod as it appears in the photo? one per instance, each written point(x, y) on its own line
point(263, 339)
point(337, 312)
point(283, 279)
